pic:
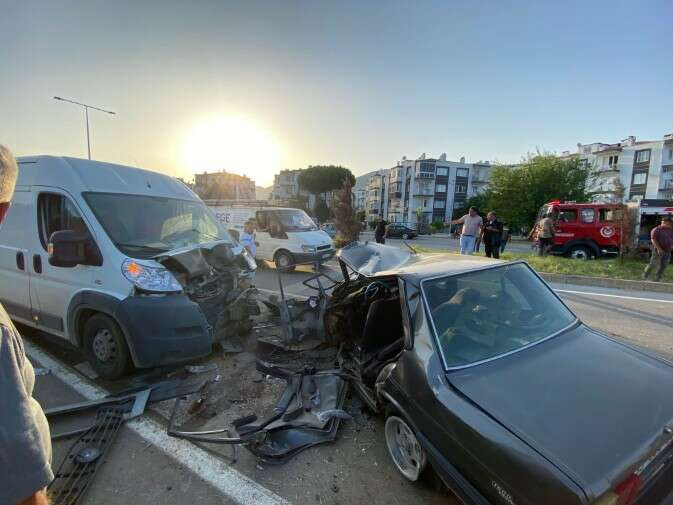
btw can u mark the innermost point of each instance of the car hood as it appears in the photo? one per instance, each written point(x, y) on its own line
point(592, 406)
point(313, 237)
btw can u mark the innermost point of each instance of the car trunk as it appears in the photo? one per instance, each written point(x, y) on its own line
point(593, 407)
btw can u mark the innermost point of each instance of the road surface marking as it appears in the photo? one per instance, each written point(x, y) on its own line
point(613, 296)
point(231, 483)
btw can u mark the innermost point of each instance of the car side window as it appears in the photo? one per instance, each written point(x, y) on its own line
point(262, 221)
point(55, 213)
point(567, 216)
point(587, 215)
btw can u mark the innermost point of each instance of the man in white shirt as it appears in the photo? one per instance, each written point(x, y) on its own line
point(472, 223)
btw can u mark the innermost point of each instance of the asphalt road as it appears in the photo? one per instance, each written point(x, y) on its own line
point(444, 242)
point(144, 466)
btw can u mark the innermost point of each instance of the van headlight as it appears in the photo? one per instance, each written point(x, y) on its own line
point(308, 248)
point(149, 278)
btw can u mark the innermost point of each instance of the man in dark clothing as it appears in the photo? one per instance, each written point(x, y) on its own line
point(492, 235)
point(380, 232)
point(662, 246)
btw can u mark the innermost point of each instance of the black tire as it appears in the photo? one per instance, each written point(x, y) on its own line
point(580, 252)
point(284, 261)
point(105, 347)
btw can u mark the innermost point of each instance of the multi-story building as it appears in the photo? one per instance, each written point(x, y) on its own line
point(360, 199)
point(286, 185)
point(376, 203)
point(644, 168)
point(224, 185)
point(426, 190)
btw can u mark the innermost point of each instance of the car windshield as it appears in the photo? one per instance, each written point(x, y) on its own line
point(295, 220)
point(144, 226)
point(485, 313)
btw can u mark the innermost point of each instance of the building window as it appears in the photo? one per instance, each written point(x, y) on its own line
point(670, 154)
point(425, 203)
point(445, 171)
point(440, 204)
point(584, 163)
point(440, 188)
point(639, 178)
point(612, 161)
point(462, 172)
point(643, 156)
point(461, 188)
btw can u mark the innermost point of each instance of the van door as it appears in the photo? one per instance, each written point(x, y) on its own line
point(266, 243)
point(15, 254)
point(52, 288)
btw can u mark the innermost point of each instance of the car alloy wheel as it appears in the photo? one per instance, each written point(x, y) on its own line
point(405, 449)
point(103, 345)
point(405, 236)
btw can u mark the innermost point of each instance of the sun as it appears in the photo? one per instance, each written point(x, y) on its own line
point(236, 144)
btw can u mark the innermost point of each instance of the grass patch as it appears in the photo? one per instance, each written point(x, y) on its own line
point(629, 269)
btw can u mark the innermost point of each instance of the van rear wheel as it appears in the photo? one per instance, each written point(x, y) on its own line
point(284, 261)
point(105, 347)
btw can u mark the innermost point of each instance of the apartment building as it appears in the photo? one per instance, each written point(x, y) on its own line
point(644, 168)
point(424, 190)
point(286, 185)
point(224, 185)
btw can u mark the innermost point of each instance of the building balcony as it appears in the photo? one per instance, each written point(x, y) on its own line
point(424, 192)
point(425, 175)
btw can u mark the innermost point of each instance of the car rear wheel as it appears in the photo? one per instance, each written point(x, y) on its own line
point(405, 236)
point(580, 252)
point(404, 448)
point(284, 261)
point(105, 347)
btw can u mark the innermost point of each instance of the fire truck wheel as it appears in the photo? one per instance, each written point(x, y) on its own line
point(580, 252)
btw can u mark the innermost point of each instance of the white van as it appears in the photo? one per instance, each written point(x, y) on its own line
point(285, 236)
point(129, 265)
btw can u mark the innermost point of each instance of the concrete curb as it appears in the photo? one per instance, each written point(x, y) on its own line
point(606, 282)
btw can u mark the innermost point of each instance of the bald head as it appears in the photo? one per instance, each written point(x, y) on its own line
point(8, 174)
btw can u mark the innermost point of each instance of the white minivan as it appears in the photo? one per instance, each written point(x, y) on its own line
point(285, 236)
point(129, 265)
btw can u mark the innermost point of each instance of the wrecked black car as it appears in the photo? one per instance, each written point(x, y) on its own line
point(485, 375)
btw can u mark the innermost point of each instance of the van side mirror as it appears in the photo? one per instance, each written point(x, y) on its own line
point(67, 249)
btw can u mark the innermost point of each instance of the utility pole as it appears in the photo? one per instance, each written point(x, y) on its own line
point(86, 114)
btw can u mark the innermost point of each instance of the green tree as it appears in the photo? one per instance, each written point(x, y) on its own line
point(361, 216)
point(321, 211)
point(323, 178)
point(516, 193)
point(481, 202)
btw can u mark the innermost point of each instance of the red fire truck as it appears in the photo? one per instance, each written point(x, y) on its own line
point(593, 230)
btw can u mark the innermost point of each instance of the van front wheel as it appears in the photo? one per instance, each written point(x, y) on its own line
point(284, 261)
point(105, 347)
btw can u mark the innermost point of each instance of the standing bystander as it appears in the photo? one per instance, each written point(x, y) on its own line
point(25, 444)
point(545, 235)
point(472, 223)
point(662, 245)
point(380, 232)
point(492, 235)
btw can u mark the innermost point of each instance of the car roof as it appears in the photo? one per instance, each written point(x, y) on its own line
point(77, 175)
point(379, 260)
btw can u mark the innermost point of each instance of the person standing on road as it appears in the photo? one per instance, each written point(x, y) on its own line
point(492, 235)
point(472, 223)
point(662, 246)
point(25, 443)
point(247, 240)
point(545, 235)
point(380, 232)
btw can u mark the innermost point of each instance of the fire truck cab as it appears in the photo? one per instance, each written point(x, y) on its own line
point(584, 230)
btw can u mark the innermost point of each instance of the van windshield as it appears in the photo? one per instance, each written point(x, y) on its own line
point(294, 220)
point(143, 226)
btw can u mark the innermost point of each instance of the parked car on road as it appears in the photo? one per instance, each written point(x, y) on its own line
point(126, 264)
point(485, 375)
point(398, 230)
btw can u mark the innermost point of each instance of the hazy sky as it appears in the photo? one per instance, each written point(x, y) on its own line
point(354, 83)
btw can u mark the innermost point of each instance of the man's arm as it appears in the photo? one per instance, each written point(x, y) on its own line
point(655, 243)
point(460, 220)
point(24, 434)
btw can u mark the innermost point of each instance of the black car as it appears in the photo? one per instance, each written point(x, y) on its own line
point(485, 375)
point(397, 230)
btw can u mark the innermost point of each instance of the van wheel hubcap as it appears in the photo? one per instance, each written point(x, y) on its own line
point(579, 254)
point(104, 345)
point(407, 453)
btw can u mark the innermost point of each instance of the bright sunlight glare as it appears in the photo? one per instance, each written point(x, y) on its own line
point(233, 143)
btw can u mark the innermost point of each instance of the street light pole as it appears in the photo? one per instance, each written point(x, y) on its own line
point(86, 114)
